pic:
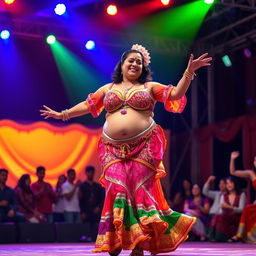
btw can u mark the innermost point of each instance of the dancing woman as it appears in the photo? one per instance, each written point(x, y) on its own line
point(135, 215)
point(247, 225)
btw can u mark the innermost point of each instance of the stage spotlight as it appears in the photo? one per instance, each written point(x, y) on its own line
point(9, 1)
point(165, 2)
point(247, 53)
point(90, 45)
point(112, 10)
point(5, 34)
point(60, 9)
point(51, 39)
point(209, 1)
point(226, 60)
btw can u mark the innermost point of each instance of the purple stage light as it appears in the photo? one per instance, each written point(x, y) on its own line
point(247, 53)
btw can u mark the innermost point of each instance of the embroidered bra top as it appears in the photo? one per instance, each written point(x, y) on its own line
point(139, 99)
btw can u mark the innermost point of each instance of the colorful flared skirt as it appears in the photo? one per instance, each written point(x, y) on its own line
point(247, 224)
point(135, 212)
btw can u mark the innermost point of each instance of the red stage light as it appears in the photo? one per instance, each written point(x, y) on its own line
point(165, 2)
point(9, 1)
point(112, 9)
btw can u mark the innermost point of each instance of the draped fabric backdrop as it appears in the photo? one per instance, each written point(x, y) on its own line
point(24, 147)
point(226, 131)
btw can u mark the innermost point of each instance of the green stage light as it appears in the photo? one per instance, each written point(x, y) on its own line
point(209, 1)
point(51, 39)
point(226, 60)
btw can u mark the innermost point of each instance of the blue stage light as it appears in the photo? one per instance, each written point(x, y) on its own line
point(60, 9)
point(90, 45)
point(5, 34)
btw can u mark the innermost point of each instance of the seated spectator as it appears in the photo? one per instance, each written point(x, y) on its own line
point(44, 194)
point(224, 225)
point(26, 200)
point(247, 225)
point(70, 192)
point(181, 196)
point(198, 206)
point(8, 202)
point(58, 208)
point(215, 195)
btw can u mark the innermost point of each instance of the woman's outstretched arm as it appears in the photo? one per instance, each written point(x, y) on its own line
point(239, 173)
point(80, 109)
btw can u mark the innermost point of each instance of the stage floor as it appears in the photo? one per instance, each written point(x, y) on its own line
point(82, 249)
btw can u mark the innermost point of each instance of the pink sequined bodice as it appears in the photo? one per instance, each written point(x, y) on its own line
point(139, 99)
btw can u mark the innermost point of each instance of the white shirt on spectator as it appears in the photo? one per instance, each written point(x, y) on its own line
point(71, 205)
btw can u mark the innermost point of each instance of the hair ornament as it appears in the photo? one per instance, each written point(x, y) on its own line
point(144, 52)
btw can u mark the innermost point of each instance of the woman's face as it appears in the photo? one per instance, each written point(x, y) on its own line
point(27, 182)
point(230, 185)
point(254, 161)
point(186, 185)
point(196, 191)
point(222, 185)
point(62, 179)
point(132, 66)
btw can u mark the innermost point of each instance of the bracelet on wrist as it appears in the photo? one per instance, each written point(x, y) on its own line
point(189, 75)
point(65, 115)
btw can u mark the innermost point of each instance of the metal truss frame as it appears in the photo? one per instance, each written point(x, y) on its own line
point(229, 26)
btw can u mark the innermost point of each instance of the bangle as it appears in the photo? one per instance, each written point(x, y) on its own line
point(189, 75)
point(65, 115)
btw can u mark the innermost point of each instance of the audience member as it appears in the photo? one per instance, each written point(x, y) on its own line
point(224, 225)
point(26, 200)
point(8, 202)
point(91, 197)
point(91, 201)
point(198, 206)
point(44, 194)
point(181, 196)
point(215, 195)
point(70, 191)
point(58, 208)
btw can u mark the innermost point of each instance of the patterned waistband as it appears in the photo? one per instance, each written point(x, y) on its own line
point(140, 135)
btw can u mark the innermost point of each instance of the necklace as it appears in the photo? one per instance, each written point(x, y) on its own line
point(123, 111)
point(127, 89)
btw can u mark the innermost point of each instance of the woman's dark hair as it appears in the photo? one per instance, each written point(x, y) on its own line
point(22, 183)
point(235, 181)
point(146, 75)
point(58, 181)
point(182, 190)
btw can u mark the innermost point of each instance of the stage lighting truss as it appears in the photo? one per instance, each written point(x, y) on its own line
point(229, 25)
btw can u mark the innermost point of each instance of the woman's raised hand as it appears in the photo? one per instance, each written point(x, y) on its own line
point(48, 112)
point(234, 154)
point(194, 64)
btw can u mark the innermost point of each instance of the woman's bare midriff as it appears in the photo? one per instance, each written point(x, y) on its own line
point(118, 126)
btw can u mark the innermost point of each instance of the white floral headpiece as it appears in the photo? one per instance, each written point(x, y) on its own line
point(144, 52)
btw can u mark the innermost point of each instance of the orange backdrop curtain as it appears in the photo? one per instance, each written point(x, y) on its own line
point(24, 147)
point(226, 131)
